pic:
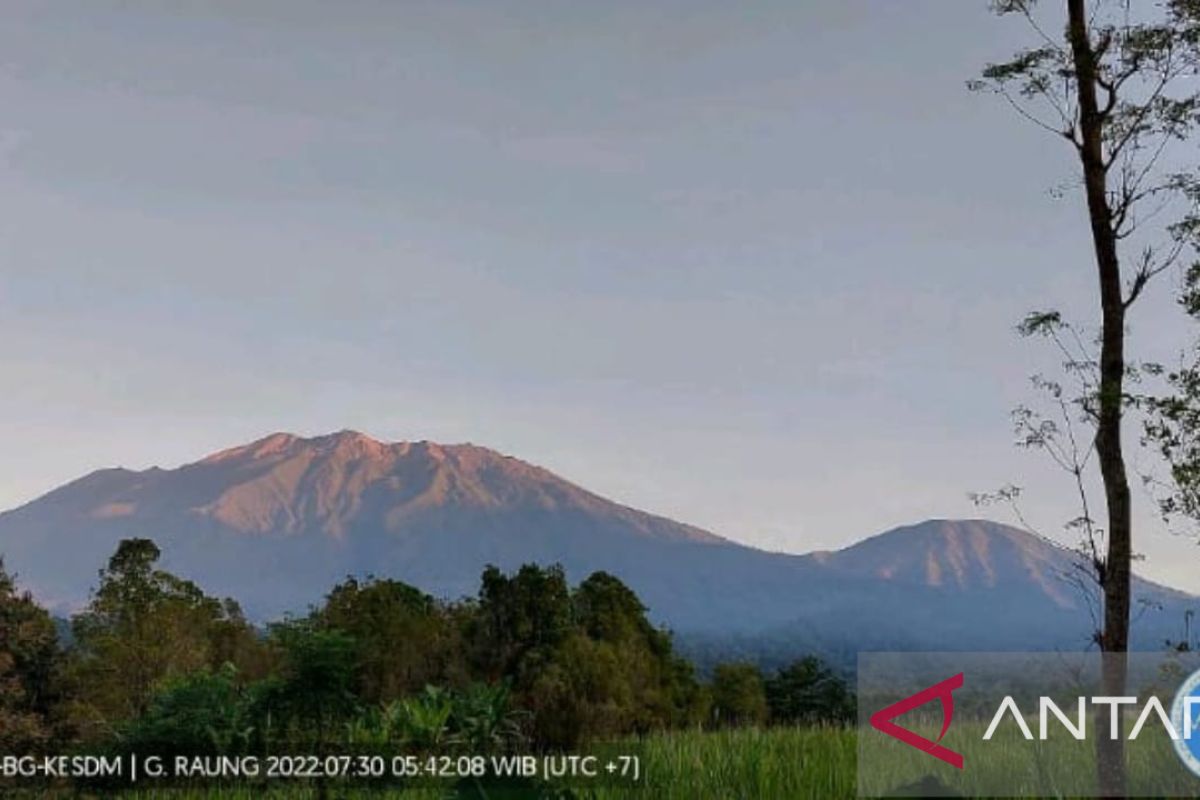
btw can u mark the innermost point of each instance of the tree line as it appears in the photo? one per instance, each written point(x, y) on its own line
point(153, 664)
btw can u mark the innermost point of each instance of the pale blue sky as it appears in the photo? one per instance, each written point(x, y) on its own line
point(751, 265)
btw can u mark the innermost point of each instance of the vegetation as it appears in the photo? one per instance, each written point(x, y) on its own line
point(748, 762)
point(29, 671)
point(1115, 82)
point(808, 692)
point(156, 666)
point(783, 762)
point(144, 627)
point(739, 696)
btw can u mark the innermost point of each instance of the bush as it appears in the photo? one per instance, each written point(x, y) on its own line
point(204, 713)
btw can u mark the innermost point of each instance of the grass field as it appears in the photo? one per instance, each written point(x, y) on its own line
point(799, 763)
point(777, 763)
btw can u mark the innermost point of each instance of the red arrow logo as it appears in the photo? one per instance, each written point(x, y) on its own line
point(944, 691)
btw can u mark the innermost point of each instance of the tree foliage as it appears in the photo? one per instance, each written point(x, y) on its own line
point(30, 663)
point(1116, 80)
point(202, 713)
point(144, 626)
point(1173, 425)
point(519, 620)
point(405, 639)
point(739, 695)
point(809, 692)
point(586, 663)
point(313, 694)
point(159, 667)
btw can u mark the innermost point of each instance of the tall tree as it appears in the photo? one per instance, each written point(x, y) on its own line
point(142, 626)
point(405, 638)
point(1118, 86)
point(587, 663)
point(520, 619)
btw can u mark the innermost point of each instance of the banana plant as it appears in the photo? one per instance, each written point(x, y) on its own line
point(485, 720)
point(424, 720)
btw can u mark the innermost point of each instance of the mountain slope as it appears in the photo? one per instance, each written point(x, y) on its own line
point(961, 555)
point(277, 522)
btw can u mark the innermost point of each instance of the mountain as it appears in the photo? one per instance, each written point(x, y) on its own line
point(277, 522)
point(960, 557)
point(975, 584)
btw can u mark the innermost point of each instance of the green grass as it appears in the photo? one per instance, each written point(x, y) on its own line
point(691, 765)
point(1009, 764)
point(777, 763)
point(784, 763)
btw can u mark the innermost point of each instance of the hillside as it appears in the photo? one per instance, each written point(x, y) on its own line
point(275, 523)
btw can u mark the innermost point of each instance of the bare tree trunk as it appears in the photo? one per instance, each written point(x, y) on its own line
point(1115, 574)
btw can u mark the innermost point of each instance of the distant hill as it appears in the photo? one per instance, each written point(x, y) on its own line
point(277, 522)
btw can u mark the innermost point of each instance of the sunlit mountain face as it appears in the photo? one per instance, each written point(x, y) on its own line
point(277, 522)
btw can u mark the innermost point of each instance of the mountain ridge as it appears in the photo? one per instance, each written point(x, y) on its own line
point(277, 521)
point(265, 470)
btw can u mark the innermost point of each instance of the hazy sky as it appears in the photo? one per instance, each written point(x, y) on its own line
point(754, 266)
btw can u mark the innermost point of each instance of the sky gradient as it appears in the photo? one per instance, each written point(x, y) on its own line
point(752, 266)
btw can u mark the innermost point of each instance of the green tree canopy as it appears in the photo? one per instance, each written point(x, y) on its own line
point(405, 639)
point(520, 620)
point(313, 695)
point(809, 692)
point(738, 695)
point(29, 669)
point(145, 625)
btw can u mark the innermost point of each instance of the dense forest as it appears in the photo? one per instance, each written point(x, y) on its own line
point(154, 665)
